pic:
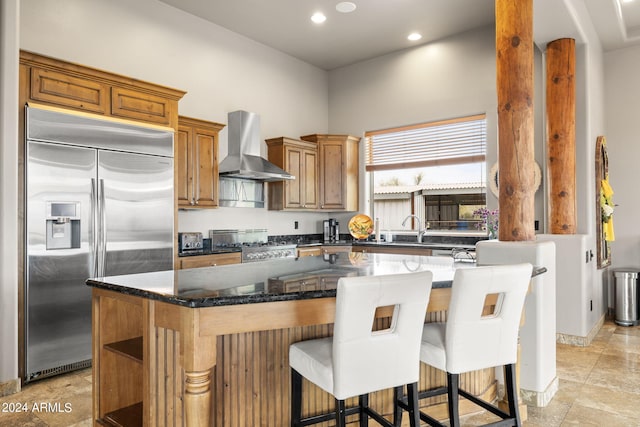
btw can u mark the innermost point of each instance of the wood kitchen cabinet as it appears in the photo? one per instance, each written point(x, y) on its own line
point(197, 163)
point(49, 81)
point(300, 159)
point(338, 171)
point(119, 346)
point(212, 260)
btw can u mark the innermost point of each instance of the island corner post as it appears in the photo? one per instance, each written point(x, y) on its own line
point(515, 88)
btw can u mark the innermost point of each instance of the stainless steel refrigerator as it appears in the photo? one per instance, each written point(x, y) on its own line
point(99, 202)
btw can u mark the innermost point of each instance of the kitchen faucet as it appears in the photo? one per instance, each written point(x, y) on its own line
point(421, 231)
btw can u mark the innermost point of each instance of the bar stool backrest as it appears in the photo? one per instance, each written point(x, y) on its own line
point(364, 360)
point(475, 341)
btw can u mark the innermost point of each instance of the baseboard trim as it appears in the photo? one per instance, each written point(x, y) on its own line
point(9, 387)
point(579, 341)
point(540, 399)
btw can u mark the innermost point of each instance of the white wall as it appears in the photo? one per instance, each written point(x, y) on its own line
point(220, 70)
point(449, 78)
point(9, 13)
point(622, 112)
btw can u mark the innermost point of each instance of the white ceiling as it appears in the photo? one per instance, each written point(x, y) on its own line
point(378, 27)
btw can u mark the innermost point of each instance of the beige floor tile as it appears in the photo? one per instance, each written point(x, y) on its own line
point(620, 372)
point(549, 416)
point(608, 400)
point(575, 364)
point(23, 419)
point(623, 342)
point(584, 416)
point(567, 393)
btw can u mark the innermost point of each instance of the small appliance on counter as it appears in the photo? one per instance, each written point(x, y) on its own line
point(190, 243)
point(331, 230)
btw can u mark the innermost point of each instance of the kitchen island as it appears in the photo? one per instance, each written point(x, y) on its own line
point(209, 346)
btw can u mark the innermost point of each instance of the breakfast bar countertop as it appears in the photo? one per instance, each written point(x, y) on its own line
point(266, 281)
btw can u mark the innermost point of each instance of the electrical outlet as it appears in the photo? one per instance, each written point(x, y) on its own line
point(295, 225)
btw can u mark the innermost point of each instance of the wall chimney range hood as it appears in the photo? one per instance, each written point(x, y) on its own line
point(243, 159)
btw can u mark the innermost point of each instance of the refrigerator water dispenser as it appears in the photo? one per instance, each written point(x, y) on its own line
point(63, 225)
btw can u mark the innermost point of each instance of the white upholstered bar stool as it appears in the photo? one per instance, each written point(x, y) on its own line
point(470, 340)
point(357, 361)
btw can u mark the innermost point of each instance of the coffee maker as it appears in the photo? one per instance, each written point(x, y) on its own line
point(331, 229)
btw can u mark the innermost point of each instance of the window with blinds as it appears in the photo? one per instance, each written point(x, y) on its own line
point(433, 171)
point(455, 141)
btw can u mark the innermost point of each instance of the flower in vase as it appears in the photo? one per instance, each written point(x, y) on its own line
point(489, 221)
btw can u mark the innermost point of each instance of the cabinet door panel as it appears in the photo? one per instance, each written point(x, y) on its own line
point(207, 169)
point(332, 184)
point(140, 106)
point(310, 189)
point(62, 89)
point(294, 162)
point(184, 167)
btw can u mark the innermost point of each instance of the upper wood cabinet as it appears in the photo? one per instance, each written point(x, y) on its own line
point(197, 163)
point(63, 84)
point(338, 171)
point(300, 159)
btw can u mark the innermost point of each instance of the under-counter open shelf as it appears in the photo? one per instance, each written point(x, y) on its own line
point(131, 348)
point(125, 417)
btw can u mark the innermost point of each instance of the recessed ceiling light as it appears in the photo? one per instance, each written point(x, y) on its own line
point(318, 18)
point(414, 36)
point(346, 7)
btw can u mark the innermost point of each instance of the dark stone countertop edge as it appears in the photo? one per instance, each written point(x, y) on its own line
point(220, 301)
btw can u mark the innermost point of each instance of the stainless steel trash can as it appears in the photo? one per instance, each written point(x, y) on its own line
point(626, 295)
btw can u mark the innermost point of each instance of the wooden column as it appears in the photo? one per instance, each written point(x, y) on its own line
point(561, 135)
point(514, 56)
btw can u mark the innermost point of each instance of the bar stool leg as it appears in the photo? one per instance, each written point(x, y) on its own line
point(363, 403)
point(340, 413)
point(397, 410)
point(453, 396)
point(412, 397)
point(296, 398)
point(512, 392)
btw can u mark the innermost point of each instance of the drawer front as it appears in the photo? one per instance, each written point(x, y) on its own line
point(308, 284)
point(65, 90)
point(210, 260)
point(136, 105)
point(314, 251)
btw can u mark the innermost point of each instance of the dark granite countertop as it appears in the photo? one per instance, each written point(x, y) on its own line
point(262, 281)
point(267, 281)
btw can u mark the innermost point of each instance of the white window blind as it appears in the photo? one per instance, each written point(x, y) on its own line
point(455, 141)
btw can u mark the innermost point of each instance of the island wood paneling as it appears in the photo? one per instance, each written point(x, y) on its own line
point(250, 383)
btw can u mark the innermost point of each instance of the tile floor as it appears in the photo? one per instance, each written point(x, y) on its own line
point(599, 386)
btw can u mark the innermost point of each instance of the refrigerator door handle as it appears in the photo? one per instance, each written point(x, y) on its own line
point(102, 238)
point(93, 233)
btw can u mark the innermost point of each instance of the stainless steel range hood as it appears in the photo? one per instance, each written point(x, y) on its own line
point(243, 159)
